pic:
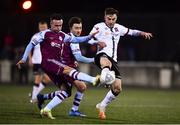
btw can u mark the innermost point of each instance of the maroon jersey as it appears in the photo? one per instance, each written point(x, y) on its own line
point(51, 47)
point(67, 56)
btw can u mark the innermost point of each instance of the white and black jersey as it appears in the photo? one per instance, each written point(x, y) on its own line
point(36, 56)
point(111, 37)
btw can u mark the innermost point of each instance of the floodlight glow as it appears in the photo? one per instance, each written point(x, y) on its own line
point(27, 5)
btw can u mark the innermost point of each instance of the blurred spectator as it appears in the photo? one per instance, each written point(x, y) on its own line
point(7, 47)
point(22, 74)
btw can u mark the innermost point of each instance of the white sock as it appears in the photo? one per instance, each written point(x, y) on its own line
point(82, 76)
point(40, 88)
point(56, 100)
point(77, 100)
point(34, 91)
point(109, 98)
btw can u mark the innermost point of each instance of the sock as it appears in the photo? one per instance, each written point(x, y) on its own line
point(41, 87)
point(109, 98)
point(51, 95)
point(82, 76)
point(77, 100)
point(34, 91)
point(56, 100)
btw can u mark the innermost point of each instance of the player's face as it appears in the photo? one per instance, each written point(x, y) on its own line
point(56, 25)
point(76, 29)
point(110, 20)
point(43, 27)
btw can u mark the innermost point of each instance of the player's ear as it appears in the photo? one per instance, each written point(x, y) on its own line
point(104, 17)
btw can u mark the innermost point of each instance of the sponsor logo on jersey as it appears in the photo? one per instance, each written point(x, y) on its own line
point(53, 44)
point(107, 33)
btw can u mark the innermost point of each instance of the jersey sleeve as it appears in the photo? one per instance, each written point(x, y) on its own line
point(75, 48)
point(78, 55)
point(123, 30)
point(126, 31)
point(74, 39)
point(37, 38)
point(133, 32)
point(27, 51)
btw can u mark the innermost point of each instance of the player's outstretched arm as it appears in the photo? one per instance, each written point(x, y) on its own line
point(25, 55)
point(80, 58)
point(79, 39)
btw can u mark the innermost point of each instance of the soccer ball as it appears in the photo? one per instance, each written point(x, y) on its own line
point(107, 77)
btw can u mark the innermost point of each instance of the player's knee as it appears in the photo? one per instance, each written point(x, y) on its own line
point(116, 91)
point(67, 70)
point(117, 88)
point(105, 62)
point(81, 86)
point(46, 80)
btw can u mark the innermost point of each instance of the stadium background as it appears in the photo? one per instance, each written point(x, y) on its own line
point(152, 66)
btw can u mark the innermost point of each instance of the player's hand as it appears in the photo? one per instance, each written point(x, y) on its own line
point(76, 64)
point(101, 45)
point(19, 64)
point(146, 35)
point(93, 34)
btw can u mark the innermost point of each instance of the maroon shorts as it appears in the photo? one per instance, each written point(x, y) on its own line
point(54, 70)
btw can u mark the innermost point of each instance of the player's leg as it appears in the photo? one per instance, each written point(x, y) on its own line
point(110, 96)
point(81, 76)
point(103, 62)
point(115, 88)
point(59, 98)
point(58, 68)
point(48, 96)
point(37, 81)
point(45, 81)
point(46, 78)
point(81, 87)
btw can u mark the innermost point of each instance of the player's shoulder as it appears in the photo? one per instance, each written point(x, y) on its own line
point(41, 33)
point(101, 24)
point(118, 25)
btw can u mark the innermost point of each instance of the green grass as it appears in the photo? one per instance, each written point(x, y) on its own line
point(132, 106)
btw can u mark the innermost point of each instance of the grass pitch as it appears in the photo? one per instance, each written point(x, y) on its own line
point(132, 106)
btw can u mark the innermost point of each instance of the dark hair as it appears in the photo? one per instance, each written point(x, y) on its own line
point(111, 11)
point(56, 16)
point(42, 22)
point(74, 20)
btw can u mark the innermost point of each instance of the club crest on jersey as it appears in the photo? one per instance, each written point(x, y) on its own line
point(116, 29)
point(60, 38)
